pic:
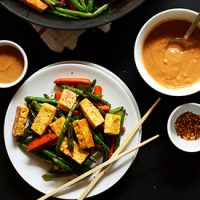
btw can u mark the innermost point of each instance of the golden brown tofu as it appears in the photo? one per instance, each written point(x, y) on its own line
point(38, 5)
point(20, 120)
point(67, 100)
point(91, 113)
point(78, 154)
point(83, 133)
point(112, 124)
point(57, 125)
point(43, 118)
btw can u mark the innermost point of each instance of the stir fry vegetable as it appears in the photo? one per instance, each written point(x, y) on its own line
point(73, 130)
point(70, 9)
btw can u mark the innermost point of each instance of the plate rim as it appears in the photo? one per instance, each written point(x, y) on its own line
point(87, 64)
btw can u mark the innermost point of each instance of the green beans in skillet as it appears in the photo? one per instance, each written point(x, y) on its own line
point(70, 9)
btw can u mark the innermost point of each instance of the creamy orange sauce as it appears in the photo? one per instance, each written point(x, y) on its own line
point(11, 64)
point(171, 65)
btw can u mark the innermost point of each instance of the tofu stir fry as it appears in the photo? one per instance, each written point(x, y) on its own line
point(70, 9)
point(73, 130)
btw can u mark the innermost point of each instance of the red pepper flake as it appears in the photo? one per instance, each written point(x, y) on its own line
point(187, 126)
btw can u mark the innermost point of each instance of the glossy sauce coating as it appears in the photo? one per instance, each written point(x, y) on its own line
point(170, 64)
point(11, 64)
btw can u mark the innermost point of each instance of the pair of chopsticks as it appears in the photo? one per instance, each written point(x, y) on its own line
point(105, 166)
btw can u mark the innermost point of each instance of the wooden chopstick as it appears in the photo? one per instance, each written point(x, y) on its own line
point(120, 148)
point(108, 162)
point(102, 171)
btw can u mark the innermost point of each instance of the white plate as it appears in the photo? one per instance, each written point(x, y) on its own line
point(30, 167)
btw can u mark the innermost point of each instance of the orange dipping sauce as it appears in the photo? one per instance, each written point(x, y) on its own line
point(11, 64)
point(171, 65)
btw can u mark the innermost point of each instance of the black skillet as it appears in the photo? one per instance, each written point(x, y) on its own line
point(44, 19)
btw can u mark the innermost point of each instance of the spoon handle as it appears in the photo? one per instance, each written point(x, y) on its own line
point(192, 27)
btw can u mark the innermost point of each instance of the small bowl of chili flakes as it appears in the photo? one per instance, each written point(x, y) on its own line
point(183, 127)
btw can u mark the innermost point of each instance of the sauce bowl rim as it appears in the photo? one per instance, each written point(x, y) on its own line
point(25, 59)
point(158, 18)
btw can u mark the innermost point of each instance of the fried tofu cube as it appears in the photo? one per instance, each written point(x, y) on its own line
point(57, 125)
point(20, 120)
point(43, 118)
point(83, 133)
point(91, 113)
point(67, 100)
point(38, 5)
point(78, 154)
point(112, 124)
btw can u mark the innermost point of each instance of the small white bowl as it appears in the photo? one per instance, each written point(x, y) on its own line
point(171, 14)
point(185, 145)
point(19, 48)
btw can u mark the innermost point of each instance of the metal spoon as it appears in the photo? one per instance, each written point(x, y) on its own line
point(183, 40)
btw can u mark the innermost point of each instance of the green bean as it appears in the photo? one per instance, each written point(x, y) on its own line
point(91, 86)
point(54, 2)
point(98, 140)
point(41, 100)
point(97, 98)
point(60, 113)
point(116, 110)
point(29, 138)
point(57, 170)
point(74, 12)
point(47, 96)
point(58, 160)
point(50, 176)
point(67, 121)
point(79, 6)
point(75, 90)
point(83, 3)
point(83, 14)
point(23, 147)
point(100, 134)
point(70, 137)
point(36, 106)
point(33, 110)
point(105, 156)
point(100, 10)
point(50, 2)
point(122, 117)
point(61, 164)
point(90, 5)
point(100, 109)
point(32, 114)
point(76, 117)
point(60, 14)
point(27, 132)
point(93, 158)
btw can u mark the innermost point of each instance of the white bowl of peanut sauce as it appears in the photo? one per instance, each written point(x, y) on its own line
point(13, 63)
point(169, 68)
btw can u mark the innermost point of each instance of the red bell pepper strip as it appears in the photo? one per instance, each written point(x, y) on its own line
point(98, 90)
point(70, 5)
point(105, 108)
point(58, 95)
point(40, 141)
point(85, 81)
point(112, 147)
